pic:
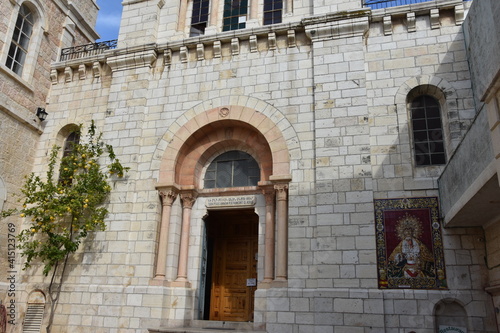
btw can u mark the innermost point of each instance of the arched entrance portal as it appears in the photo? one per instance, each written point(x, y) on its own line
point(225, 138)
point(230, 278)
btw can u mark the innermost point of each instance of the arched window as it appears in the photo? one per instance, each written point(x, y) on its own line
point(231, 169)
point(199, 19)
point(273, 11)
point(20, 40)
point(427, 128)
point(69, 145)
point(235, 14)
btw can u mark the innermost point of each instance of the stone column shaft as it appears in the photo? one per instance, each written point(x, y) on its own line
point(282, 223)
point(270, 237)
point(167, 198)
point(188, 200)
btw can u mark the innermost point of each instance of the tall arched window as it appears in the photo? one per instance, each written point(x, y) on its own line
point(427, 128)
point(232, 169)
point(273, 11)
point(20, 40)
point(69, 145)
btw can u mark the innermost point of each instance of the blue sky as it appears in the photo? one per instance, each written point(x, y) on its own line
point(108, 19)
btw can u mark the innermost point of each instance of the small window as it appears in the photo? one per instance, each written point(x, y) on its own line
point(20, 40)
point(428, 142)
point(199, 19)
point(235, 14)
point(232, 169)
point(273, 10)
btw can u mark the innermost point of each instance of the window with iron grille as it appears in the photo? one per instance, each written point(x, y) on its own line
point(199, 19)
point(428, 142)
point(235, 14)
point(273, 11)
point(232, 169)
point(20, 40)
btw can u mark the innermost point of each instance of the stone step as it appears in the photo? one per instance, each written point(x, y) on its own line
point(210, 326)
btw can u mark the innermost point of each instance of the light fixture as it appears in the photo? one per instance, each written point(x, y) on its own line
point(41, 114)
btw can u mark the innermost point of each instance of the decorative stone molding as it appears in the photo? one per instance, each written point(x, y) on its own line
point(167, 54)
point(96, 69)
point(82, 72)
point(387, 25)
point(168, 196)
point(183, 53)
point(459, 14)
point(217, 49)
point(54, 76)
point(435, 18)
point(338, 27)
point(411, 23)
point(271, 40)
point(253, 43)
point(137, 59)
point(235, 46)
point(200, 51)
point(68, 74)
point(291, 38)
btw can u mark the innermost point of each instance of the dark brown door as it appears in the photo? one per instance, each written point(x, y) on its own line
point(234, 265)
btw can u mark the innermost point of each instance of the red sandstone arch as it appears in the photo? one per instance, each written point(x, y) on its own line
point(213, 132)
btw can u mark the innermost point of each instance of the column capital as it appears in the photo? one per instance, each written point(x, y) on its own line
point(168, 196)
point(188, 198)
point(281, 191)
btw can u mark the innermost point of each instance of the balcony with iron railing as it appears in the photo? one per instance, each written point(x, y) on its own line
point(82, 51)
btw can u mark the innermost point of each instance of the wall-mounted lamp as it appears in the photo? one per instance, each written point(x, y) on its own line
point(41, 114)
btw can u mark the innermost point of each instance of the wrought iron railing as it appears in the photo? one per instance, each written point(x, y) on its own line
point(81, 51)
point(376, 4)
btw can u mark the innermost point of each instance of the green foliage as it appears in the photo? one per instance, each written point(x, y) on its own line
point(63, 210)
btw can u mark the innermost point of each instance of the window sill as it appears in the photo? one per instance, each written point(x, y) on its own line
point(17, 78)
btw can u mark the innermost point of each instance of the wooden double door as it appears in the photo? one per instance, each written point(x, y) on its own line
point(232, 260)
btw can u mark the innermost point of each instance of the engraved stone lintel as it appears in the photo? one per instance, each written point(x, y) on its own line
point(291, 38)
point(387, 25)
point(235, 46)
point(217, 49)
point(225, 202)
point(253, 43)
point(410, 21)
point(184, 54)
point(435, 18)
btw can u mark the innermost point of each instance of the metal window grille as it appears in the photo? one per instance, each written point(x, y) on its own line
point(235, 14)
point(377, 4)
point(428, 142)
point(20, 40)
point(273, 11)
point(34, 317)
point(232, 169)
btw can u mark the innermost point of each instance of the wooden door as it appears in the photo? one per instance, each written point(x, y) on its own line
point(234, 267)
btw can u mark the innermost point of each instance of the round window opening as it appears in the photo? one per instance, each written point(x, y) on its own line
point(232, 169)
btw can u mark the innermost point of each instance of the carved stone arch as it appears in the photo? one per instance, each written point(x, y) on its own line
point(190, 142)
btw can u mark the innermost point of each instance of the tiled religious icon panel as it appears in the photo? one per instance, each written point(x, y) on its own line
point(409, 244)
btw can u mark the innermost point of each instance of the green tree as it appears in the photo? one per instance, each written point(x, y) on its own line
point(62, 210)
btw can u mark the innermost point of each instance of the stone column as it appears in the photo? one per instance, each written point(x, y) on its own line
point(282, 245)
point(214, 14)
point(168, 196)
point(269, 238)
point(289, 6)
point(187, 198)
point(181, 24)
point(254, 10)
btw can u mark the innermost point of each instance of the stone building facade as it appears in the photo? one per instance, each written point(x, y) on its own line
point(300, 176)
point(25, 65)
